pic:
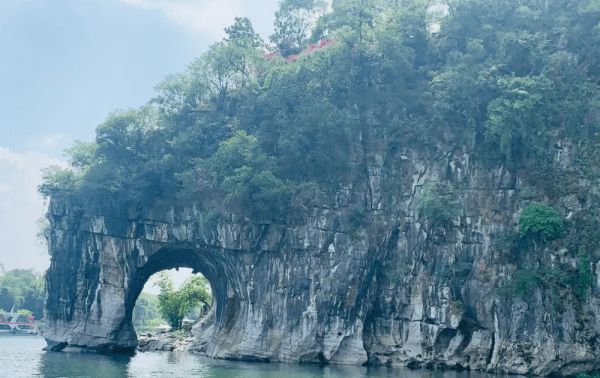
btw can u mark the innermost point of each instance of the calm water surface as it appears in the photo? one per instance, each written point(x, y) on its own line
point(23, 357)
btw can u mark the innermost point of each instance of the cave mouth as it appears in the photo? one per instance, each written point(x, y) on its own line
point(204, 263)
point(147, 317)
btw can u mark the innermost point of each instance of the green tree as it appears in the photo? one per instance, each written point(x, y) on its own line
point(219, 71)
point(541, 220)
point(56, 181)
point(503, 79)
point(175, 304)
point(293, 24)
point(242, 34)
point(25, 312)
point(243, 48)
point(180, 93)
point(145, 312)
point(244, 172)
point(23, 289)
point(355, 20)
point(437, 203)
point(519, 119)
point(82, 154)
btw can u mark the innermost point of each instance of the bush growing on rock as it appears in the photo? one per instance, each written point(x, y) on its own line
point(541, 220)
point(437, 203)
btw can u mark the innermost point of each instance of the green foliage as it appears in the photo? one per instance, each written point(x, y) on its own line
point(524, 280)
point(43, 226)
point(245, 173)
point(175, 304)
point(242, 34)
point(457, 307)
point(585, 276)
point(583, 234)
point(356, 19)
point(293, 22)
point(357, 219)
point(521, 282)
point(506, 240)
point(23, 289)
point(517, 88)
point(594, 374)
point(56, 180)
point(518, 120)
point(180, 93)
point(437, 203)
point(145, 313)
point(455, 272)
point(219, 69)
point(25, 312)
point(528, 193)
point(82, 154)
point(541, 220)
point(302, 123)
point(498, 79)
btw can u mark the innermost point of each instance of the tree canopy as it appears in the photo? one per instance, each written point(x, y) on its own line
point(174, 304)
point(23, 289)
point(257, 127)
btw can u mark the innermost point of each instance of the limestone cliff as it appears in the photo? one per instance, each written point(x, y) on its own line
point(366, 279)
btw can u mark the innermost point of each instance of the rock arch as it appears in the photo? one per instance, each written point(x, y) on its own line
point(282, 293)
point(389, 287)
point(210, 264)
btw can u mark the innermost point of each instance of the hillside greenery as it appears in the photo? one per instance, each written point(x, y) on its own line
point(23, 289)
point(270, 129)
point(145, 315)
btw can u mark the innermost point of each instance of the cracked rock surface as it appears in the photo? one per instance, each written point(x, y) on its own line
point(391, 287)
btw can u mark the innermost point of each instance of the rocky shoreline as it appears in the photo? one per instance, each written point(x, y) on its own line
point(165, 341)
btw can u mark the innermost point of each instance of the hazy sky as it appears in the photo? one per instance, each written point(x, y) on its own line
point(66, 64)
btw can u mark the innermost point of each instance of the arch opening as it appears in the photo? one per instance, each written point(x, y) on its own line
point(210, 265)
point(147, 316)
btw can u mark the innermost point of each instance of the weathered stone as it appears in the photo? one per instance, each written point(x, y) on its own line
point(394, 290)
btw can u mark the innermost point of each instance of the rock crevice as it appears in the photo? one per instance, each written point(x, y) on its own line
point(391, 287)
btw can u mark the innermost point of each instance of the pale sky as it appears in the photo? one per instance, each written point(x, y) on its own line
point(66, 64)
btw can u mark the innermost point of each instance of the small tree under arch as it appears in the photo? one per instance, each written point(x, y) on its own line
point(175, 304)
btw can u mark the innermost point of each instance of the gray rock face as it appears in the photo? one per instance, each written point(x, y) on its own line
point(390, 287)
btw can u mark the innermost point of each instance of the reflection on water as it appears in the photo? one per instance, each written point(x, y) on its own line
point(23, 357)
point(80, 365)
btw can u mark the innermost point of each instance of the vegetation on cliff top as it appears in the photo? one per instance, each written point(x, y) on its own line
point(269, 129)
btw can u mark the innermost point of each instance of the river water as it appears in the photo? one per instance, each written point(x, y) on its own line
point(24, 357)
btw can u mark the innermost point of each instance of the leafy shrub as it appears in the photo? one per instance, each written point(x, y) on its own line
point(518, 118)
point(541, 220)
point(595, 374)
point(437, 203)
point(506, 240)
point(584, 277)
point(56, 179)
point(522, 282)
point(244, 172)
